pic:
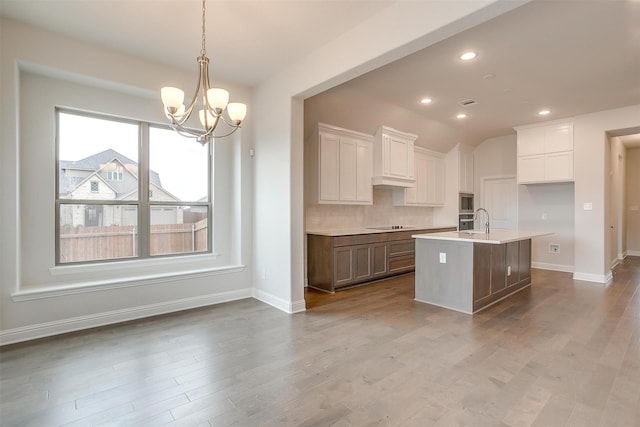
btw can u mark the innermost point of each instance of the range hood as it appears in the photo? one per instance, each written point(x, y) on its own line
point(393, 153)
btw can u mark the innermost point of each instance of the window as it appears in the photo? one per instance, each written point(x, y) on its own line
point(114, 176)
point(112, 221)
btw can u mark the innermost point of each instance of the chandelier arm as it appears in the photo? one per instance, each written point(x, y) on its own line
point(228, 123)
point(226, 134)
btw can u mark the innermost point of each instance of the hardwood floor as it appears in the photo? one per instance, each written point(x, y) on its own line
point(561, 353)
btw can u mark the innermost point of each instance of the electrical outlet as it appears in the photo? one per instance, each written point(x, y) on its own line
point(443, 257)
point(544, 216)
point(554, 248)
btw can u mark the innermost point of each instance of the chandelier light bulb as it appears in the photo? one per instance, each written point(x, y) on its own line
point(237, 111)
point(210, 119)
point(218, 98)
point(172, 97)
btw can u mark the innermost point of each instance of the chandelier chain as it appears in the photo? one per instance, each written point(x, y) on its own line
point(203, 51)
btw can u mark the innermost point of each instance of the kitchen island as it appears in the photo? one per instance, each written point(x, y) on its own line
point(468, 271)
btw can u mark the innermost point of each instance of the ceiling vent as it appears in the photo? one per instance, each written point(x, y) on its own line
point(468, 102)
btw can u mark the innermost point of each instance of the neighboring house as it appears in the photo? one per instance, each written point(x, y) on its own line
point(109, 175)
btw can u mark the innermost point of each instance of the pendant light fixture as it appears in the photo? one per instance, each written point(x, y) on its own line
point(214, 102)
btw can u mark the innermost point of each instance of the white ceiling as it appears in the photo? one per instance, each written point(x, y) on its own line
point(247, 41)
point(572, 57)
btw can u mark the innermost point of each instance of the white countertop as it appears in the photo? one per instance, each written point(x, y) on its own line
point(348, 231)
point(496, 237)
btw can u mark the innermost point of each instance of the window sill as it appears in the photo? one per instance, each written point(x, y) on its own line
point(118, 283)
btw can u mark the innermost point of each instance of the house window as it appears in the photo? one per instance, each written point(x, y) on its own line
point(113, 221)
point(114, 176)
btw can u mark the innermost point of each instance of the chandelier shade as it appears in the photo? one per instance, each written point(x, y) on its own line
point(211, 103)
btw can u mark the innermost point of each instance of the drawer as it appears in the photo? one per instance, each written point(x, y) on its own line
point(359, 239)
point(401, 264)
point(401, 247)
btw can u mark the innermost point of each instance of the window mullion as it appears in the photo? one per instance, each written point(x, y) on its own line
point(143, 182)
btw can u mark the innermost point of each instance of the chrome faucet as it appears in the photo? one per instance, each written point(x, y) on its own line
point(486, 224)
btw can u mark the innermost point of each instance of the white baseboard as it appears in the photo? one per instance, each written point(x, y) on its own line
point(552, 267)
point(596, 278)
point(57, 327)
point(279, 303)
point(633, 253)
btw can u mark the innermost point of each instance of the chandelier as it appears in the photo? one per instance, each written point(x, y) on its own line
point(214, 102)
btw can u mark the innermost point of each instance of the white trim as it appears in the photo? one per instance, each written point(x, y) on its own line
point(132, 263)
point(615, 263)
point(53, 290)
point(596, 278)
point(41, 330)
point(632, 253)
point(552, 267)
point(279, 303)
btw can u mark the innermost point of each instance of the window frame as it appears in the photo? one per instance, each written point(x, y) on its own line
point(144, 202)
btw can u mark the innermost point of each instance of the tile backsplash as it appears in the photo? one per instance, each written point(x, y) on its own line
point(381, 213)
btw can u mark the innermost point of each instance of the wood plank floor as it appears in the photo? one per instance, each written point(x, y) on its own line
point(561, 353)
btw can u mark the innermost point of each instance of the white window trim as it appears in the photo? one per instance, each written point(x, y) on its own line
point(57, 290)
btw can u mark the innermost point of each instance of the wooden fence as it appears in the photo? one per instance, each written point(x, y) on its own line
point(112, 242)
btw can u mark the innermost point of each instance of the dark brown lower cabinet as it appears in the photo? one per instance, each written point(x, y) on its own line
point(499, 270)
point(335, 262)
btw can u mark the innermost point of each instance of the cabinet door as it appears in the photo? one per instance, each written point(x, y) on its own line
point(481, 272)
point(347, 170)
point(378, 259)
point(418, 194)
point(364, 165)
point(524, 260)
point(531, 169)
point(531, 141)
point(362, 263)
point(399, 159)
point(465, 165)
point(513, 263)
point(558, 138)
point(498, 268)
point(435, 181)
point(558, 166)
point(329, 169)
point(343, 266)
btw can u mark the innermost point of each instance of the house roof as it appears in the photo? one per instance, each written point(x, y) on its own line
point(94, 163)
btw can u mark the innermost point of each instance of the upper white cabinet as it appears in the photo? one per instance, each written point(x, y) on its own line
point(465, 169)
point(393, 162)
point(341, 172)
point(545, 153)
point(429, 171)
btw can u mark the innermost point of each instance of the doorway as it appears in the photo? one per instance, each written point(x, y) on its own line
point(623, 212)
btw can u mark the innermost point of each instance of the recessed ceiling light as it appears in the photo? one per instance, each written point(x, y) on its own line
point(543, 112)
point(461, 116)
point(426, 101)
point(467, 56)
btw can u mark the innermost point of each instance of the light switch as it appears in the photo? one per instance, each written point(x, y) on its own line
point(443, 257)
point(587, 206)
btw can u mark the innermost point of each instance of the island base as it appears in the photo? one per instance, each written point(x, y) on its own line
point(469, 277)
